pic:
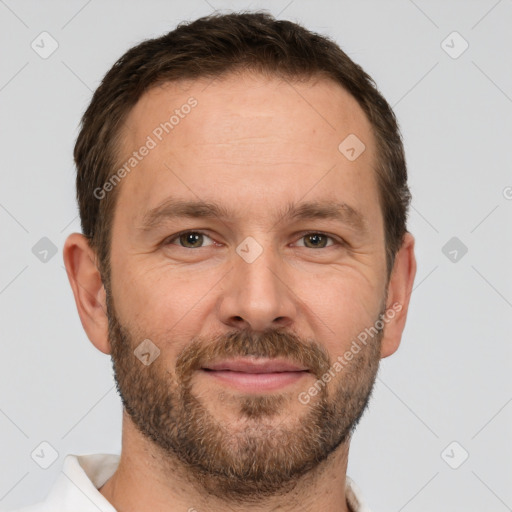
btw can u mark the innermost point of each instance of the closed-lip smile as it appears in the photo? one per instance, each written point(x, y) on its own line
point(255, 375)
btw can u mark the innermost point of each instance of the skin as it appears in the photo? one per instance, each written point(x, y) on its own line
point(252, 144)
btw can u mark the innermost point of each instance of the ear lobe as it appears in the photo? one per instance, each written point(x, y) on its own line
point(88, 290)
point(399, 294)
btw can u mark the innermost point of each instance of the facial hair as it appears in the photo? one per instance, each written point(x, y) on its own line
point(258, 457)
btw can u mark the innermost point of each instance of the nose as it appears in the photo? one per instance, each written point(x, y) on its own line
point(258, 295)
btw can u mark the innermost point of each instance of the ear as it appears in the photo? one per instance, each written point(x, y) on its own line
point(88, 289)
point(399, 294)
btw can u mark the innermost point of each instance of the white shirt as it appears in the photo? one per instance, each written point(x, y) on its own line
point(76, 487)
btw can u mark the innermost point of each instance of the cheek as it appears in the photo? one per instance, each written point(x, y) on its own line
point(162, 301)
point(343, 308)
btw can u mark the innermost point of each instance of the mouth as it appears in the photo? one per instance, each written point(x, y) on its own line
point(255, 375)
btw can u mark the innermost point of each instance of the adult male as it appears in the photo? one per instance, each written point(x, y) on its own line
point(245, 261)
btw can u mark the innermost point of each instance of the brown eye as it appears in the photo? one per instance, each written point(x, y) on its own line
point(316, 240)
point(194, 239)
point(189, 240)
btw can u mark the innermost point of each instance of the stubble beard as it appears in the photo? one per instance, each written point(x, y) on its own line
point(257, 456)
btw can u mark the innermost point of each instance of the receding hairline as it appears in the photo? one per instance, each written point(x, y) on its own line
point(237, 72)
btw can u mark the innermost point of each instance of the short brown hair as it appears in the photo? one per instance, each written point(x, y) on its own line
point(210, 47)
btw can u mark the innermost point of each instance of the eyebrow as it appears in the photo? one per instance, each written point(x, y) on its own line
point(177, 208)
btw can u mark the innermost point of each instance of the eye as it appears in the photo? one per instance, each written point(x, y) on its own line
point(195, 239)
point(317, 240)
point(188, 239)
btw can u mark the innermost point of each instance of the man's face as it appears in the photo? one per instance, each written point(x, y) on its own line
point(249, 286)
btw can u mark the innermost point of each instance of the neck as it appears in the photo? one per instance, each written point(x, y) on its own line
point(147, 480)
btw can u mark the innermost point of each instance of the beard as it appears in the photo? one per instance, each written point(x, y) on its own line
point(265, 451)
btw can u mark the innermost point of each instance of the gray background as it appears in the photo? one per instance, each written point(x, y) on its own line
point(449, 381)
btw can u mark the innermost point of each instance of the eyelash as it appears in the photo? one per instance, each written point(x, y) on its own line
point(178, 235)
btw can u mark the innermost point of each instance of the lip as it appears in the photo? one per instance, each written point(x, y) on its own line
point(245, 365)
point(255, 376)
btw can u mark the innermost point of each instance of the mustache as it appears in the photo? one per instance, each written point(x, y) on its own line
point(270, 343)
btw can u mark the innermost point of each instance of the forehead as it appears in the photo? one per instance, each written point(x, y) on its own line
point(255, 136)
point(264, 106)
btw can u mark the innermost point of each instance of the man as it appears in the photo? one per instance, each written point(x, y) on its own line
point(245, 262)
